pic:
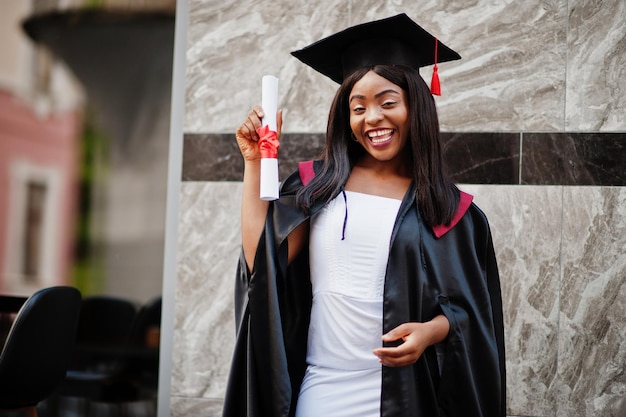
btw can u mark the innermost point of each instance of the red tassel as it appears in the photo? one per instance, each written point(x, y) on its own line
point(435, 86)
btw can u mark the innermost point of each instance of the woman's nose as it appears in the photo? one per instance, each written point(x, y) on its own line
point(373, 115)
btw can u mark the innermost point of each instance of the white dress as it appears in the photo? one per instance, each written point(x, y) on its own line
point(343, 376)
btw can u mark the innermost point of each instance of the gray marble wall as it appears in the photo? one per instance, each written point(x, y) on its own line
point(541, 86)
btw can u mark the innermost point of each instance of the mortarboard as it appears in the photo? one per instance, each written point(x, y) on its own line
point(396, 40)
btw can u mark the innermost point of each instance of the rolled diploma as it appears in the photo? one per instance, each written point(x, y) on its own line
point(269, 166)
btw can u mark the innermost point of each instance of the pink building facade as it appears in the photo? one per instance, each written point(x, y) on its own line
point(39, 162)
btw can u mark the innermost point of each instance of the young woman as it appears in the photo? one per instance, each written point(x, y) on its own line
point(370, 288)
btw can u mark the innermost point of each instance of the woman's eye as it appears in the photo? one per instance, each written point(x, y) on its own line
point(358, 109)
point(388, 103)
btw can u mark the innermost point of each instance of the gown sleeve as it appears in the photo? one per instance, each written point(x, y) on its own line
point(474, 375)
point(272, 309)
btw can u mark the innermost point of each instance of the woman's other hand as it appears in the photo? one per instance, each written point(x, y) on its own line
point(416, 337)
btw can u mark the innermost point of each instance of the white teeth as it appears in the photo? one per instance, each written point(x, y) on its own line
point(379, 136)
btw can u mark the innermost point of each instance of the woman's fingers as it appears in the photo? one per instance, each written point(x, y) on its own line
point(403, 355)
point(407, 352)
point(248, 128)
point(247, 136)
point(255, 117)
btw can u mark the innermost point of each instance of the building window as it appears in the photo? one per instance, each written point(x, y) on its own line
point(32, 244)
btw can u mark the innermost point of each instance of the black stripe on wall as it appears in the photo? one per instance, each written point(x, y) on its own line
point(472, 158)
point(574, 158)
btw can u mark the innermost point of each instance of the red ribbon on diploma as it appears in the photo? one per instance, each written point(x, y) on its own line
point(268, 142)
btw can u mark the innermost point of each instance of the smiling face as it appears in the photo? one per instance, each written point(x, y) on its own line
point(379, 117)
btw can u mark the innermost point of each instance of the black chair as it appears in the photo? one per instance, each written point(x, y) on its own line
point(144, 342)
point(99, 370)
point(105, 320)
point(38, 348)
point(116, 360)
point(147, 321)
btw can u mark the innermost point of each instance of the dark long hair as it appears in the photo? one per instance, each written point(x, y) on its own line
point(437, 196)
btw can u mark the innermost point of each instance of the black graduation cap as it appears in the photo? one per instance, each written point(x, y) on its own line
point(396, 40)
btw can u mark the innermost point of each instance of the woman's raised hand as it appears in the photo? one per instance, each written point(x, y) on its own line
point(248, 138)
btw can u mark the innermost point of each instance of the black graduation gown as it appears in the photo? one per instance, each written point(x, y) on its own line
point(455, 274)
